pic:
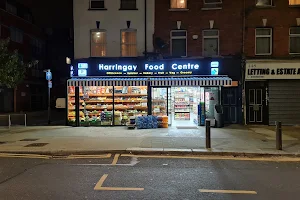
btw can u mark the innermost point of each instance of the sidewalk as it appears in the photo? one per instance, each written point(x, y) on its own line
point(234, 139)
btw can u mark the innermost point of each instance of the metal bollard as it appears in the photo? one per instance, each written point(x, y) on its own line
point(278, 136)
point(207, 131)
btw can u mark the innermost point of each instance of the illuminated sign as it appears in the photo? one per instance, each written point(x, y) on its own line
point(214, 71)
point(71, 71)
point(155, 67)
point(187, 66)
point(82, 69)
point(117, 67)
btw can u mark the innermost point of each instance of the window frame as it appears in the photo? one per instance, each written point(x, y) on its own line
point(121, 43)
point(211, 37)
point(92, 43)
point(12, 6)
point(264, 36)
point(128, 8)
point(178, 37)
point(271, 4)
point(186, 5)
point(90, 5)
point(290, 36)
point(17, 32)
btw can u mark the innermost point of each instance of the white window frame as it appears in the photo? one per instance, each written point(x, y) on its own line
point(92, 43)
point(178, 37)
point(211, 37)
point(121, 43)
point(271, 4)
point(264, 36)
point(186, 5)
point(96, 8)
point(290, 36)
point(217, 2)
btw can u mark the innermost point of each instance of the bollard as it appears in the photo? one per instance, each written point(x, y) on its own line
point(207, 128)
point(278, 136)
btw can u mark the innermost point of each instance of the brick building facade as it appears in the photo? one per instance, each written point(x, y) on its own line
point(272, 68)
point(17, 23)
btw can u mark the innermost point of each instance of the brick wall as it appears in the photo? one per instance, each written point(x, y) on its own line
point(227, 20)
point(280, 18)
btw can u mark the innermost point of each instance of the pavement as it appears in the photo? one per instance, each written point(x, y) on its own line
point(147, 178)
point(230, 140)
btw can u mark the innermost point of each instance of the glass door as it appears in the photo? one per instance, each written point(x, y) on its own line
point(161, 103)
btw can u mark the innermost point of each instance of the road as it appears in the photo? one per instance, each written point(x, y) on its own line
point(121, 177)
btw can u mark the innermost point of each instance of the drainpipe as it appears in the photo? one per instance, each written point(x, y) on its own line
point(145, 11)
point(244, 106)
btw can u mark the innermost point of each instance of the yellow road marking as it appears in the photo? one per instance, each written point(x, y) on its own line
point(116, 158)
point(266, 159)
point(88, 156)
point(9, 155)
point(98, 186)
point(228, 191)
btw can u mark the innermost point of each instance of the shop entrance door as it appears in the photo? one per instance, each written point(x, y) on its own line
point(161, 102)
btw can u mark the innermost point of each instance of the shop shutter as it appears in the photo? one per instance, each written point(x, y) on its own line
point(284, 102)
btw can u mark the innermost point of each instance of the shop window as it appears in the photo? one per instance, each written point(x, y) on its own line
point(210, 43)
point(264, 3)
point(129, 43)
point(128, 5)
point(98, 106)
point(294, 2)
point(212, 4)
point(97, 4)
point(178, 4)
point(11, 8)
point(179, 43)
point(263, 41)
point(98, 43)
point(130, 101)
point(16, 35)
point(295, 40)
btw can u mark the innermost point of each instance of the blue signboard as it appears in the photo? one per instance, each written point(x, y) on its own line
point(48, 75)
point(49, 84)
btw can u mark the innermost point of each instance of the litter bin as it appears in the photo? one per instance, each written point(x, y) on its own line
point(219, 116)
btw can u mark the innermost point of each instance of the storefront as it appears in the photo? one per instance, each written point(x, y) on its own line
point(109, 92)
point(273, 92)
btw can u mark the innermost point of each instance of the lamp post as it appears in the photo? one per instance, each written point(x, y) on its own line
point(49, 78)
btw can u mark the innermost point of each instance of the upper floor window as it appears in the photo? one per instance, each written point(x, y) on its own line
point(128, 5)
point(294, 2)
point(178, 4)
point(97, 4)
point(263, 41)
point(212, 4)
point(210, 42)
point(16, 35)
point(98, 43)
point(295, 40)
point(11, 8)
point(129, 43)
point(264, 3)
point(179, 43)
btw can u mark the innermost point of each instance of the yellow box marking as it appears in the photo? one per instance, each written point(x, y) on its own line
point(116, 158)
point(228, 191)
point(98, 186)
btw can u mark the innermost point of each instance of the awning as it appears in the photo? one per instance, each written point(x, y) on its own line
point(163, 81)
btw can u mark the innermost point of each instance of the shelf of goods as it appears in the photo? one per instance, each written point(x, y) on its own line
point(159, 107)
point(98, 105)
point(181, 109)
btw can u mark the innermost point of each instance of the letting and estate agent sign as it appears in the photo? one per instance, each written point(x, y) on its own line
point(272, 70)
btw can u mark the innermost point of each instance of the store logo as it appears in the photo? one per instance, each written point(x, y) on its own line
point(82, 69)
point(117, 67)
point(155, 67)
point(187, 66)
point(214, 64)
